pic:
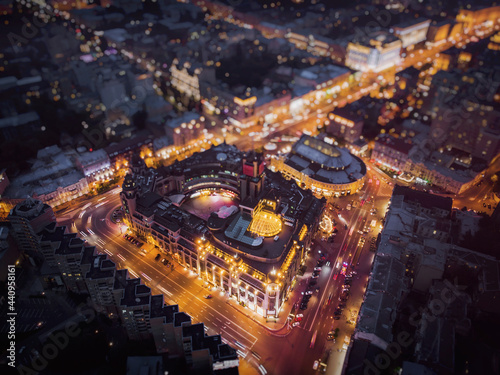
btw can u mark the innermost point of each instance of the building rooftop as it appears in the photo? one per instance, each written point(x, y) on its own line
point(423, 199)
point(324, 162)
point(88, 158)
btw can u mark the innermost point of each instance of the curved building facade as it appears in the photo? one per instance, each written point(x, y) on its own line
point(324, 169)
point(251, 252)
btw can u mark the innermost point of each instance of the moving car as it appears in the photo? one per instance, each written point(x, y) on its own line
point(315, 365)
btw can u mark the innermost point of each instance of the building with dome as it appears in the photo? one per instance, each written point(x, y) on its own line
point(324, 169)
point(221, 213)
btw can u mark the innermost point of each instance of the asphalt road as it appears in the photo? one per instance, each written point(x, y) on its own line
point(222, 315)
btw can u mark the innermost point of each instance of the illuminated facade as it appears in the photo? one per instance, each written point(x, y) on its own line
point(95, 166)
point(391, 152)
point(186, 77)
point(475, 20)
point(412, 33)
point(185, 128)
point(324, 169)
point(378, 52)
point(345, 125)
point(316, 44)
point(254, 253)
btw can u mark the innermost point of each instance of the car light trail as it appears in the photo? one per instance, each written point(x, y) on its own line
point(165, 291)
point(146, 276)
point(133, 273)
point(100, 204)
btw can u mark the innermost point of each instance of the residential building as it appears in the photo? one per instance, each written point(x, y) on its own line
point(411, 32)
point(95, 165)
point(186, 77)
point(391, 152)
point(345, 124)
point(28, 218)
point(376, 52)
point(52, 179)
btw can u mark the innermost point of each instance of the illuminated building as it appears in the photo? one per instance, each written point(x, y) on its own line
point(186, 77)
point(95, 165)
point(142, 315)
point(4, 183)
point(322, 168)
point(316, 44)
point(391, 152)
point(121, 153)
point(253, 251)
point(345, 125)
point(52, 179)
point(475, 20)
point(412, 32)
point(244, 108)
point(185, 128)
point(316, 83)
point(438, 32)
point(494, 42)
point(375, 53)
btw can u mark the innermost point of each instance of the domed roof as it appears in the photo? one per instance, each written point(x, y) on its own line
point(221, 156)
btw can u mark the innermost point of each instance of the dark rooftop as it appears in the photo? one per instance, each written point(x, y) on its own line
point(426, 200)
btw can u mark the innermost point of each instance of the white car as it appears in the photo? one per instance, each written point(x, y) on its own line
point(315, 365)
point(308, 293)
point(296, 324)
point(299, 315)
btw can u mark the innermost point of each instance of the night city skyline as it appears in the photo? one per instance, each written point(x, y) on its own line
point(253, 187)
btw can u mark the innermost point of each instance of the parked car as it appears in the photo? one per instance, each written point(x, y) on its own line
point(157, 257)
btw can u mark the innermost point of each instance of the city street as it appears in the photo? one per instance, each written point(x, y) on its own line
point(259, 342)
